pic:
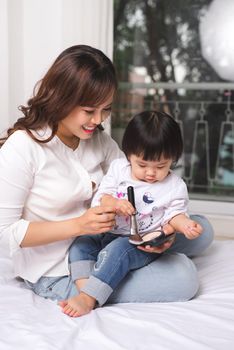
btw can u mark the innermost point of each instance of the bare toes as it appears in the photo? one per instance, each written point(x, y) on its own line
point(62, 303)
point(76, 314)
point(67, 309)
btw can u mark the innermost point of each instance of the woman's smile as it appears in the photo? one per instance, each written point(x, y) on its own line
point(89, 129)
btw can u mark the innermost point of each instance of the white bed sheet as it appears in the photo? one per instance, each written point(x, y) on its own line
point(206, 322)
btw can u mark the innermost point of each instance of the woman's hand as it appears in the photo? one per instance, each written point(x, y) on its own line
point(161, 248)
point(96, 220)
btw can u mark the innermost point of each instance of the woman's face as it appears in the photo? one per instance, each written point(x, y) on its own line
point(82, 122)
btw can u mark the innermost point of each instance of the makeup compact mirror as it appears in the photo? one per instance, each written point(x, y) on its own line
point(156, 238)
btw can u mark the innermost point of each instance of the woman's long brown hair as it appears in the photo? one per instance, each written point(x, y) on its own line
point(80, 76)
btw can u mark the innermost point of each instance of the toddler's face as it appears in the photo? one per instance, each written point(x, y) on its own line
point(149, 171)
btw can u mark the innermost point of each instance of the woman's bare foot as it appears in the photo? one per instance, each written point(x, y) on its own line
point(78, 305)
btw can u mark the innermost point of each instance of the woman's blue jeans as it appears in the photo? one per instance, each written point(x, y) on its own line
point(171, 277)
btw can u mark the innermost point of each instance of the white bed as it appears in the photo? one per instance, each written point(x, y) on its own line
point(207, 322)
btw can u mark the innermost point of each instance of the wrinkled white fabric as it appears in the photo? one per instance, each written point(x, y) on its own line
point(28, 321)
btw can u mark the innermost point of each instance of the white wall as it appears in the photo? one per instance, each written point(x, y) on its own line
point(4, 114)
point(34, 32)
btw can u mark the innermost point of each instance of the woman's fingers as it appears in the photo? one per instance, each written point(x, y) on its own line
point(102, 210)
point(105, 213)
point(106, 217)
point(97, 220)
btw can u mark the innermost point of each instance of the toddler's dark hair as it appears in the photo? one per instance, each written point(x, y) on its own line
point(152, 134)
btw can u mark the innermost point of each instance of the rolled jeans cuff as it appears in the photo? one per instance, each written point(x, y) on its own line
point(81, 269)
point(97, 289)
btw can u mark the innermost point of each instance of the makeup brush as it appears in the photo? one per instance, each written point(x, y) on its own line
point(134, 237)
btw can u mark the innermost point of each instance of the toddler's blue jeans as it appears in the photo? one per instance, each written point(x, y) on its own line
point(105, 260)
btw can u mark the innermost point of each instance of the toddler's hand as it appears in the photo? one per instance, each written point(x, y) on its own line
point(159, 249)
point(124, 207)
point(191, 229)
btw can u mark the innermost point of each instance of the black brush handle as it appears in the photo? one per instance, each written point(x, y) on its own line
point(131, 196)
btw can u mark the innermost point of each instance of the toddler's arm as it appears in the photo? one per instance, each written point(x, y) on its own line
point(190, 228)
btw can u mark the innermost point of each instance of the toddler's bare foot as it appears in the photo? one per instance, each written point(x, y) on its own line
point(78, 305)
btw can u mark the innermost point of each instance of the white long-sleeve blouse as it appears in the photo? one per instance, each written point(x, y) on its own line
point(47, 182)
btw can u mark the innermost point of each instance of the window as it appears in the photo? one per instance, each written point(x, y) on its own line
point(160, 63)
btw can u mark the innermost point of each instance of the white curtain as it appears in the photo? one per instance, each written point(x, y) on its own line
point(34, 32)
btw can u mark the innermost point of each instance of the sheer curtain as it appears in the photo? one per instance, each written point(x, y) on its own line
point(33, 33)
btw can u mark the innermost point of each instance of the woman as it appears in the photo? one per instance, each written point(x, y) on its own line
point(52, 161)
